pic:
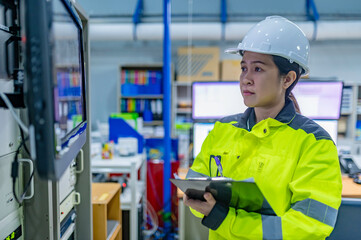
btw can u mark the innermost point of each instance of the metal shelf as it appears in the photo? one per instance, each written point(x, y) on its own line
point(153, 123)
point(184, 110)
point(125, 197)
point(67, 66)
point(185, 84)
point(159, 96)
point(69, 98)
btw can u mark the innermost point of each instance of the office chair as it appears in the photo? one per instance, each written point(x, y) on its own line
point(348, 224)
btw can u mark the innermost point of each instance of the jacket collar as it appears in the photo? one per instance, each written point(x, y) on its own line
point(288, 112)
point(286, 115)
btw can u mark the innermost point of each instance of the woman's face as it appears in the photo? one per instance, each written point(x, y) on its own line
point(260, 83)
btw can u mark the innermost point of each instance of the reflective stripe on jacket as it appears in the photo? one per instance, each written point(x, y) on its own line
point(293, 161)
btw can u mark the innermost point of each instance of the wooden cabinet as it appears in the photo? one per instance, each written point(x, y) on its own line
point(136, 190)
point(107, 220)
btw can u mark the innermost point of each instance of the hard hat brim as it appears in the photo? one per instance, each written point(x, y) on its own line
point(239, 51)
point(232, 51)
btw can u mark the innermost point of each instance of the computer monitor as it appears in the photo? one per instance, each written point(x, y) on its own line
point(214, 100)
point(55, 85)
point(319, 99)
point(200, 132)
point(330, 126)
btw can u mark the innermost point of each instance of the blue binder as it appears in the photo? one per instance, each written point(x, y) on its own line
point(120, 128)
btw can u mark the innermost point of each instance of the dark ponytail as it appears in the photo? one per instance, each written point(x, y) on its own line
point(295, 103)
point(284, 66)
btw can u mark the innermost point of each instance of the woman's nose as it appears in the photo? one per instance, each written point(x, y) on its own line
point(246, 79)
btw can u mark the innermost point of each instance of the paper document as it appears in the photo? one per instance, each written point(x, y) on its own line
point(243, 194)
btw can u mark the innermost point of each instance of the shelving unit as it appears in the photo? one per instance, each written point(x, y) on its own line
point(140, 90)
point(130, 198)
point(139, 82)
point(349, 134)
point(107, 220)
point(182, 102)
point(153, 123)
point(347, 121)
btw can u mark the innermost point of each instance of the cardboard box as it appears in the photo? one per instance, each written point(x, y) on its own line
point(230, 70)
point(204, 62)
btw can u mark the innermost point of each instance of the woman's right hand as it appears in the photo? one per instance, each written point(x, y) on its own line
point(204, 207)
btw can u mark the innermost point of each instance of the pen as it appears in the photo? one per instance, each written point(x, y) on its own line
point(219, 166)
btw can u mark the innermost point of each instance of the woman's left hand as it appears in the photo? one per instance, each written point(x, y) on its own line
point(204, 207)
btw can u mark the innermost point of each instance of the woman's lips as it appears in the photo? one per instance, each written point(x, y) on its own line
point(247, 93)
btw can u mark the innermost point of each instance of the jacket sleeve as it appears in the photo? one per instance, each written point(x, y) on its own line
point(316, 196)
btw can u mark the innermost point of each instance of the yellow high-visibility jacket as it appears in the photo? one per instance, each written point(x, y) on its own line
point(293, 161)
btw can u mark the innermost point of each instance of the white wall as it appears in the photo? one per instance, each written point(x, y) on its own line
point(338, 59)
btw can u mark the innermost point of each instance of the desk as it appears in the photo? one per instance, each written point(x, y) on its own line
point(190, 227)
point(350, 189)
point(126, 165)
point(348, 225)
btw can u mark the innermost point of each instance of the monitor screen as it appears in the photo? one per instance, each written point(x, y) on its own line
point(67, 80)
point(55, 84)
point(214, 100)
point(330, 126)
point(319, 99)
point(200, 132)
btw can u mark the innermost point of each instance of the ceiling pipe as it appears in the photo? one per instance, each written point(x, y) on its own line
point(326, 30)
point(110, 31)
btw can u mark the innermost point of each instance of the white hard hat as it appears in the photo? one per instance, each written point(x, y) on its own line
point(276, 36)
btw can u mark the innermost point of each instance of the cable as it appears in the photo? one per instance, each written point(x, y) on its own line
point(154, 220)
point(15, 164)
point(23, 139)
point(14, 174)
point(355, 177)
point(11, 108)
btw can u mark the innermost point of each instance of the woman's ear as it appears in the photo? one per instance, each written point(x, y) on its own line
point(289, 79)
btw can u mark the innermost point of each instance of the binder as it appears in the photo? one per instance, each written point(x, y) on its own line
point(243, 194)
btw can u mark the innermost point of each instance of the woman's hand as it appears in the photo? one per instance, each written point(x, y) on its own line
point(203, 207)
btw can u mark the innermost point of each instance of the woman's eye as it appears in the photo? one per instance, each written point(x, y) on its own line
point(243, 69)
point(257, 69)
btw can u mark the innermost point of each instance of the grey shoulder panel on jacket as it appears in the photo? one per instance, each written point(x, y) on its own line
point(310, 127)
point(236, 117)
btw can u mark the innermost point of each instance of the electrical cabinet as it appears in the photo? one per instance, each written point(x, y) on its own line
point(10, 135)
point(11, 225)
point(7, 201)
point(10, 212)
point(62, 209)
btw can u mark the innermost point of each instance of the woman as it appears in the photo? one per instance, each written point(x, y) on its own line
point(291, 158)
